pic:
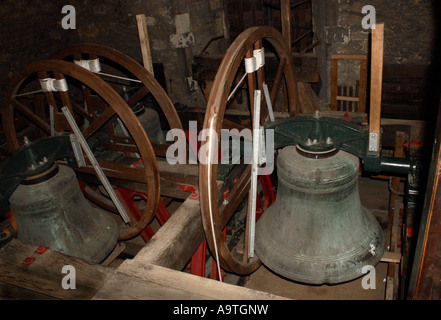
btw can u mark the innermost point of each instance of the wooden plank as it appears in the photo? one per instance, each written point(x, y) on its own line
point(43, 274)
point(349, 56)
point(334, 84)
point(11, 292)
point(285, 7)
point(144, 42)
point(376, 79)
point(363, 86)
point(425, 280)
point(347, 98)
point(137, 280)
point(388, 256)
point(307, 98)
point(175, 242)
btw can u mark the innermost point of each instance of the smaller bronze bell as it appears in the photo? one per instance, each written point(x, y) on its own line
point(51, 211)
point(317, 231)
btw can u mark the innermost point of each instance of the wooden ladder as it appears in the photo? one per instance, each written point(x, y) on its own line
point(361, 99)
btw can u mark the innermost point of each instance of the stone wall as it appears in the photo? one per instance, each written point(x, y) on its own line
point(32, 31)
point(409, 32)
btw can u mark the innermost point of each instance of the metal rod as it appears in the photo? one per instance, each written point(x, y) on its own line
point(254, 168)
point(237, 86)
point(268, 102)
point(95, 164)
point(118, 77)
point(400, 166)
point(52, 119)
point(27, 93)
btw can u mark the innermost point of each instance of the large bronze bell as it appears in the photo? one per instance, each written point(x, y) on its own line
point(51, 211)
point(317, 231)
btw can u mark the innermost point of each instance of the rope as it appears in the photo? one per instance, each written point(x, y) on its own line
point(251, 65)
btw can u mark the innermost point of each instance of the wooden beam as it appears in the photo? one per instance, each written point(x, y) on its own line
point(176, 241)
point(363, 86)
point(33, 268)
point(334, 83)
point(376, 80)
point(135, 280)
point(388, 256)
point(285, 6)
point(349, 56)
point(144, 42)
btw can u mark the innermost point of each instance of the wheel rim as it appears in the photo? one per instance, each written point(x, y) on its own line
point(75, 52)
point(214, 120)
point(116, 106)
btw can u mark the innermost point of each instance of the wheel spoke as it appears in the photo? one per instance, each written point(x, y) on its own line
point(42, 124)
point(99, 121)
point(277, 82)
point(141, 93)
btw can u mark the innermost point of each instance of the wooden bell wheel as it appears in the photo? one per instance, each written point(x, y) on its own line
point(122, 72)
point(132, 81)
point(40, 111)
point(226, 83)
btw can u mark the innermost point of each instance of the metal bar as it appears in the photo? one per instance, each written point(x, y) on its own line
point(118, 77)
point(95, 164)
point(254, 167)
point(27, 93)
point(268, 102)
point(400, 166)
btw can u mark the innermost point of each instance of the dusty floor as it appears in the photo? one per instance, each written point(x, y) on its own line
point(374, 195)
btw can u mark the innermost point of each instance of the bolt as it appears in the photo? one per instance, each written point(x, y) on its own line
point(26, 140)
point(308, 142)
point(329, 140)
point(314, 141)
point(317, 114)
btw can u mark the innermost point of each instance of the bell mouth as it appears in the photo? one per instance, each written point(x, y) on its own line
point(43, 176)
point(316, 154)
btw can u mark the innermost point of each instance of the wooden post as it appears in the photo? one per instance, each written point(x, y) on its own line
point(144, 42)
point(376, 84)
point(334, 83)
point(285, 9)
point(363, 85)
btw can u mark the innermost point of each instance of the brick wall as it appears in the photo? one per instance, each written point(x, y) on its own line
point(409, 33)
point(32, 31)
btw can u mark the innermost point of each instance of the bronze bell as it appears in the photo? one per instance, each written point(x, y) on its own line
point(51, 211)
point(317, 231)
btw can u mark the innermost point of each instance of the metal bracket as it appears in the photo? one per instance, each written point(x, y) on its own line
point(374, 139)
